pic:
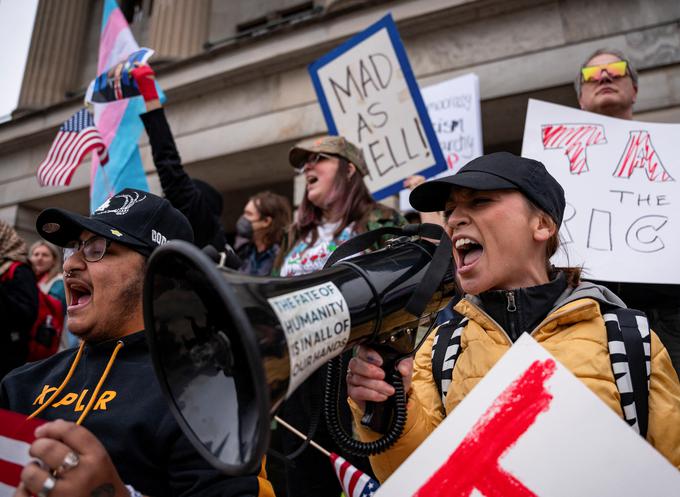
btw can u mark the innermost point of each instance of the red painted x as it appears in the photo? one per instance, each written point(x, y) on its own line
point(474, 464)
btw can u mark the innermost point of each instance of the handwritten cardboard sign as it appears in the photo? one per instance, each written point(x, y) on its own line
point(621, 180)
point(368, 94)
point(530, 428)
point(455, 112)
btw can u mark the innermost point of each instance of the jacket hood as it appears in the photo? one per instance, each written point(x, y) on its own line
point(589, 290)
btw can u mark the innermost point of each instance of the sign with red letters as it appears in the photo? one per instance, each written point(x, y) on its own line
point(622, 184)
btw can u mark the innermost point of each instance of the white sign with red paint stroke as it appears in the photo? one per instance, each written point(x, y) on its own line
point(532, 429)
point(455, 111)
point(622, 184)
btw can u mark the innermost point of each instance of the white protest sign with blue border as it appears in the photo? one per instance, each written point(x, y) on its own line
point(369, 95)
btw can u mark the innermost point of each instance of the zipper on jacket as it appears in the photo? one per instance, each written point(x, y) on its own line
point(511, 308)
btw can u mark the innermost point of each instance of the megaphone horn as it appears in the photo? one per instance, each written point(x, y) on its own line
point(228, 348)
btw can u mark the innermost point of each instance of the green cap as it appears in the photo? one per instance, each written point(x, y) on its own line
point(333, 145)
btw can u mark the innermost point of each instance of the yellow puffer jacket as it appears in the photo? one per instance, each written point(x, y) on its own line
point(574, 334)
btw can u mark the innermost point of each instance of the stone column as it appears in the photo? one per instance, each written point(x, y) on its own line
point(55, 53)
point(179, 28)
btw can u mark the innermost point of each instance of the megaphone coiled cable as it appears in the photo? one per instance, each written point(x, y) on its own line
point(332, 406)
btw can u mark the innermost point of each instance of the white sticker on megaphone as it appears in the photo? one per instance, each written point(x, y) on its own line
point(316, 324)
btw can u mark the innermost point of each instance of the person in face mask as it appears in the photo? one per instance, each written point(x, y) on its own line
point(262, 224)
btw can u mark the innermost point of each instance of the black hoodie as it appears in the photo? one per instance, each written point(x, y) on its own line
point(130, 417)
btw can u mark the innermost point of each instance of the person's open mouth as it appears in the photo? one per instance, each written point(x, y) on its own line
point(311, 179)
point(81, 295)
point(468, 252)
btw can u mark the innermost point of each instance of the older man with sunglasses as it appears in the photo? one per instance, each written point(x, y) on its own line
point(112, 433)
point(607, 84)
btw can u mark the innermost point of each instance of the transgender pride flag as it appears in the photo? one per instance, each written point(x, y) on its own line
point(118, 122)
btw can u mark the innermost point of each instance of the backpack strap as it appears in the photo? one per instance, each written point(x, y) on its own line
point(9, 274)
point(629, 342)
point(445, 352)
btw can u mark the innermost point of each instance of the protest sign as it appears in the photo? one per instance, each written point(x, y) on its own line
point(531, 428)
point(368, 94)
point(455, 113)
point(116, 83)
point(621, 183)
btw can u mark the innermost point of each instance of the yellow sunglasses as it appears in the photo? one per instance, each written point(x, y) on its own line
point(614, 70)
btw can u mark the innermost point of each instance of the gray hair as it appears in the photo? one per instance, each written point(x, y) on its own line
point(631, 70)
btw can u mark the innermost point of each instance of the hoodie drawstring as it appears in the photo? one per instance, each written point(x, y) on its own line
point(88, 408)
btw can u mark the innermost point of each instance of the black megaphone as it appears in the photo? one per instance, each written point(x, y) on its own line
point(228, 348)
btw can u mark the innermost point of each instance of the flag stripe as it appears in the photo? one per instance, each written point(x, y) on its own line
point(68, 158)
point(76, 138)
point(10, 474)
point(354, 478)
point(16, 435)
point(63, 142)
point(17, 426)
point(6, 490)
point(354, 482)
point(75, 156)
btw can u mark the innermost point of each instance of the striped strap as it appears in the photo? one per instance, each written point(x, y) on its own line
point(445, 351)
point(629, 342)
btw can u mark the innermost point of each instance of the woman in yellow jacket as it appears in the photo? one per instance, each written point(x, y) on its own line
point(502, 213)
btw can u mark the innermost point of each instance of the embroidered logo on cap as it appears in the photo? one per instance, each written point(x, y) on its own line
point(116, 232)
point(51, 227)
point(128, 202)
point(158, 237)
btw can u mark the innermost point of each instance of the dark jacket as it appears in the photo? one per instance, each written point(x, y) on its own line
point(19, 310)
point(130, 418)
point(257, 263)
point(198, 201)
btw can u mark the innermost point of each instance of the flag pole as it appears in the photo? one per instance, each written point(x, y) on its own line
point(302, 436)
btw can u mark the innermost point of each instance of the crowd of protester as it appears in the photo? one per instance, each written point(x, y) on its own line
point(501, 211)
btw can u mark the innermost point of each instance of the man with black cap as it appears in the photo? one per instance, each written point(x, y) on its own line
point(503, 213)
point(114, 434)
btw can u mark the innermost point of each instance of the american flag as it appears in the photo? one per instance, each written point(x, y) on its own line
point(355, 483)
point(77, 137)
point(16, 436)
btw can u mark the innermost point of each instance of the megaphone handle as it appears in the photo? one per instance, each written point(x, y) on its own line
point(377, 415)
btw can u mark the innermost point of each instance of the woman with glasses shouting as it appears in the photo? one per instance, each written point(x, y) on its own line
point(336, 206)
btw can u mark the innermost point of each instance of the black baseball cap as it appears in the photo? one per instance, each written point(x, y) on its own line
point(134, 218)
point(498, 171)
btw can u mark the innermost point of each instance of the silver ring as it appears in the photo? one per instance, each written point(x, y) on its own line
point(70, 461)
point(48, 486)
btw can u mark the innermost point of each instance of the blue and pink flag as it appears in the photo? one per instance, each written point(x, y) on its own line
point(118, 122)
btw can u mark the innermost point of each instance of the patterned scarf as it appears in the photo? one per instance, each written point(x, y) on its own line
point(12, 247)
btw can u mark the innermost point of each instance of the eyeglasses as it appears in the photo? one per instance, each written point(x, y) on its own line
point(614, 70)
point(93, 248)
point(314, 159)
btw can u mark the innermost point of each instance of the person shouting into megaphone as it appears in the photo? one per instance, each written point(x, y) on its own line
point(503, 213)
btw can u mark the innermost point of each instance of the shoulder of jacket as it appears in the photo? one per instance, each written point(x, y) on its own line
point(381, 215)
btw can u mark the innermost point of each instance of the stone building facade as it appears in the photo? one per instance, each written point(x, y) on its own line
point(239, 95)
